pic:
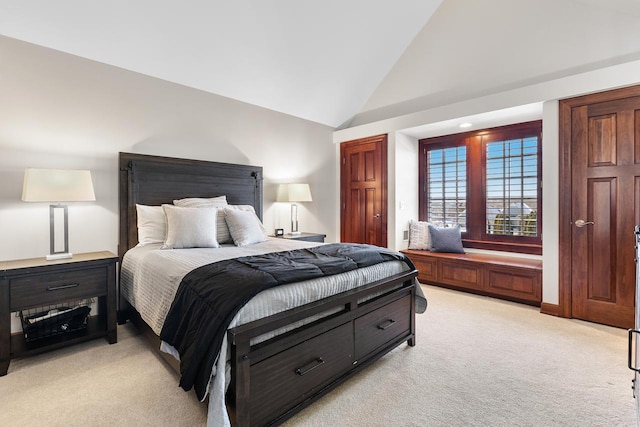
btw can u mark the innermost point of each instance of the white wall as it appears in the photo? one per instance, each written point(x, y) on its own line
point(550, 201)
point(62, 111)
point(404, 199)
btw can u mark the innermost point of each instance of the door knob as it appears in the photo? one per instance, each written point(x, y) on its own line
point(376, 216)
point(581, 223)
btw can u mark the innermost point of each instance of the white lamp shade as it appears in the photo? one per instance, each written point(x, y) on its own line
point(57, 185)
point(294, 193)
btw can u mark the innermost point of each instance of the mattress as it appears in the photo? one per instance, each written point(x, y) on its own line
point(150, 278)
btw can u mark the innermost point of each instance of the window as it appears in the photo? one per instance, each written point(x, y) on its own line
point(512, 184)
point(488, 183)
point(447, 190)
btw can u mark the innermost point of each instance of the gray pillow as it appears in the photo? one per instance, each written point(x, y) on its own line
point(244, 226)
point(446, 239)
point(224, 235)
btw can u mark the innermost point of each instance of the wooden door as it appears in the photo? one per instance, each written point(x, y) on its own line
point(363, 193)
point(605, 196)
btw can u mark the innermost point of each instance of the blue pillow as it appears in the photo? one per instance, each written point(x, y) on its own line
point(446, 239)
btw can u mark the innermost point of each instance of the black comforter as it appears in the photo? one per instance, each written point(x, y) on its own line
point(210, 296)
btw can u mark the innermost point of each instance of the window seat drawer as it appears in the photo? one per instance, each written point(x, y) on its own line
point(512, 278)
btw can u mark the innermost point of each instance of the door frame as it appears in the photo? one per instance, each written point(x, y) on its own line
point(566, 215)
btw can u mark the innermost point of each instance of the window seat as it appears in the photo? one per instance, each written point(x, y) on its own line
point(510, 278)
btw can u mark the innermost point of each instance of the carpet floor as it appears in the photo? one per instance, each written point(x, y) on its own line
point(478, 361)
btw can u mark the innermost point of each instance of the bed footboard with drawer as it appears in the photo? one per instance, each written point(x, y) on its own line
point(276, 378)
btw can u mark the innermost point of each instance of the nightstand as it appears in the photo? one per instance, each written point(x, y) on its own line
point(309, 237)
point(33, 283)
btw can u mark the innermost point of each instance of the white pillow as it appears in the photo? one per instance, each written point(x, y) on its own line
point(197, 202)
point(419, 237)
point(245, 227)
point(190, 227)
point(224, 236)
point(152, 224)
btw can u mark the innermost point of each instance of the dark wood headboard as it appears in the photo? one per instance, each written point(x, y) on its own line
point(154, 180)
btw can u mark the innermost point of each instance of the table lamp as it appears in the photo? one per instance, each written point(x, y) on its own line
point(294, 193)
point(57, 185)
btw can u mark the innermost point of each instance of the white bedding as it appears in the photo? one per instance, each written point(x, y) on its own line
point(150, 278)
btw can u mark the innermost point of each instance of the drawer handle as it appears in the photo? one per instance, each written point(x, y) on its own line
point(310, 367)
point(59, 288)
point(386, 324)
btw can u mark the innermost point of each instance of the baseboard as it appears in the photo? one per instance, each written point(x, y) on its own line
point(551, 309)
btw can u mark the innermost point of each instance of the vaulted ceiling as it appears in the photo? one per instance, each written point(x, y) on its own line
point(318, 60)
point(329, 61)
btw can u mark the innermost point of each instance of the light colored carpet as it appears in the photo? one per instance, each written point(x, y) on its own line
point(97, 384)
point(478, 362)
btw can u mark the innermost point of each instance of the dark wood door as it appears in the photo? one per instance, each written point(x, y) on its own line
point(363, 193)
point(605, 190)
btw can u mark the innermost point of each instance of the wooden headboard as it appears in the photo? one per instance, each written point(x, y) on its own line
point(154, 180)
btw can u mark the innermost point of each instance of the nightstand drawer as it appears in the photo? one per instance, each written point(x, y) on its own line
point(313, 238)
point(42, 289)
point(308, 237)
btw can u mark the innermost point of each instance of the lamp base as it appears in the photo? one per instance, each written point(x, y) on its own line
point(65, 255)
point(296, 232)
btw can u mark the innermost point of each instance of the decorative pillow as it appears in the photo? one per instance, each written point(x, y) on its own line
point(190, 227)
point(419, 237)
point(446, 239)
point(219, 202)
point(224, 236)
point(245, 227)
point(197, 202)
point(152, 224)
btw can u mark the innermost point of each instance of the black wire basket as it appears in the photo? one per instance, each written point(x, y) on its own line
point(58, 319)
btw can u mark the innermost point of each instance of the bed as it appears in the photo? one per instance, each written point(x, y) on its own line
point(282, 352)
